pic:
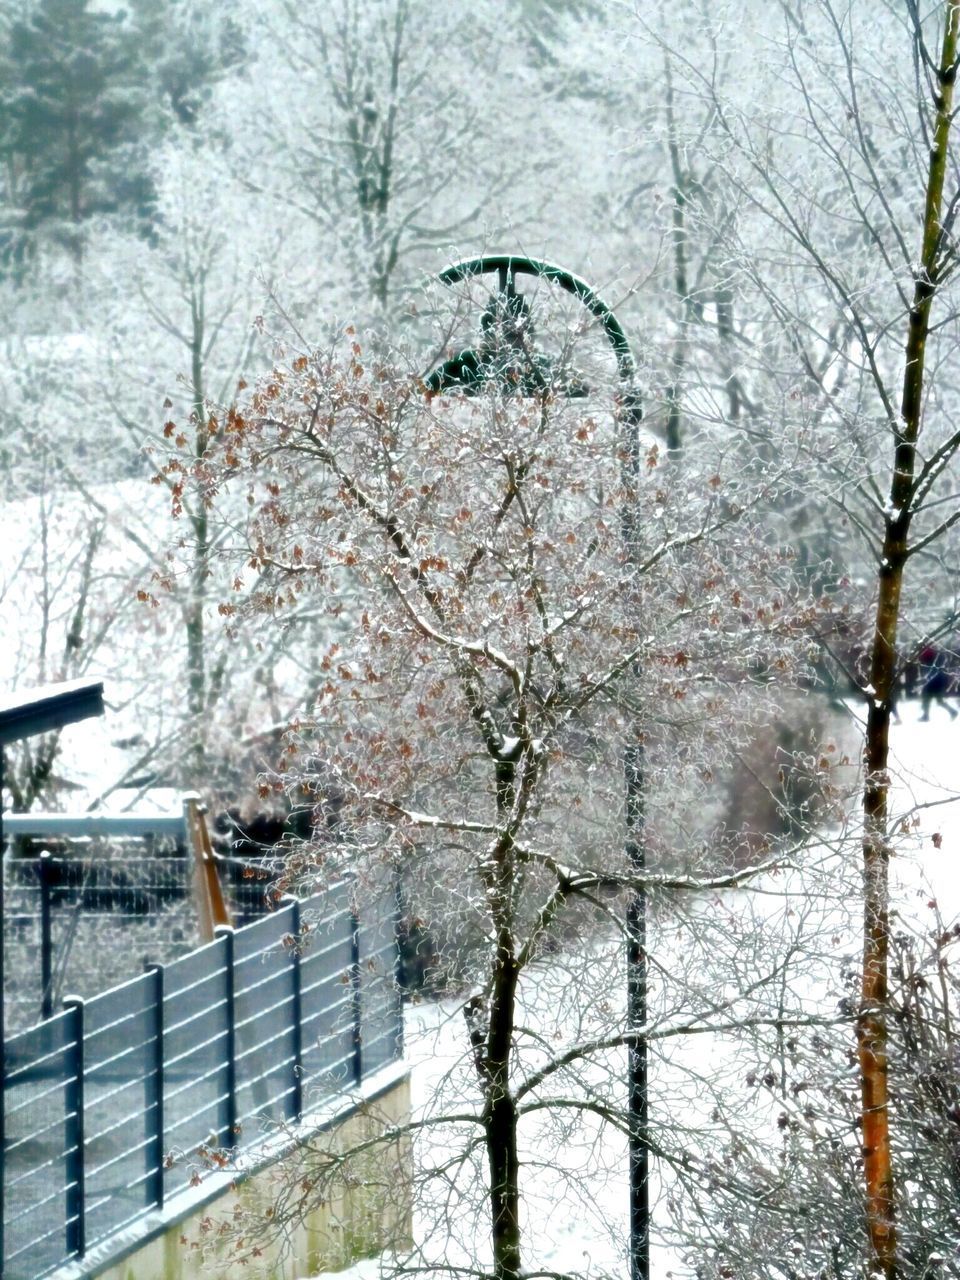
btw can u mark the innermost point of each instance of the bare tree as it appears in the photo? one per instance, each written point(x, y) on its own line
point(196, 304)
point(401, 138)
point(503, 642)
point(853, 154)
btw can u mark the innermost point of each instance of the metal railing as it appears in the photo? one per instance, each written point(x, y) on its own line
point(72, 923)
point(116, 1103)
point(119, 884)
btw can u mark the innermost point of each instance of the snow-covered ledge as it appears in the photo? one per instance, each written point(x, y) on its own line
point(162, 1244)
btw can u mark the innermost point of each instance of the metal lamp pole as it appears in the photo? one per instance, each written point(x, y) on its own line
point(467, 371)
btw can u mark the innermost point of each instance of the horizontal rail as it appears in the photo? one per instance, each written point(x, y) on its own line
point(94, 824)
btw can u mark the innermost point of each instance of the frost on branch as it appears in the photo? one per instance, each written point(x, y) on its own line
point(492, 640)
point(503, 620)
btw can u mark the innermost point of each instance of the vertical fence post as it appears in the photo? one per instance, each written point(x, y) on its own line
point(296, 1012)
point(46, 941)
point(153, 1095)
point(229, 1125)
point(74, 1136)
point(355, 989)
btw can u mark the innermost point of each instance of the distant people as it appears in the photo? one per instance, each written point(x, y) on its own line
point(938, 680)
point(896, 693)
point(912, 677)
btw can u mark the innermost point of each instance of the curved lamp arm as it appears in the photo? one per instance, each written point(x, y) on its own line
point(507, 265)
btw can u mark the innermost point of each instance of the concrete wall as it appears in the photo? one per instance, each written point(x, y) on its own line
point(311, 1209)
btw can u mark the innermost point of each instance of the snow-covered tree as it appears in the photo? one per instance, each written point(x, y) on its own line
point(195, 305)
point(508, 623)
point(395, 131)
point(841, 256)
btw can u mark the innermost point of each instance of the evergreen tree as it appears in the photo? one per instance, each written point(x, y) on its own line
point(187, 46)
point(77, 116)
point(85, 98)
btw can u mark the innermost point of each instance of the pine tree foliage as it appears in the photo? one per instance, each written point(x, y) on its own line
point(76, 117)
point(87, 97)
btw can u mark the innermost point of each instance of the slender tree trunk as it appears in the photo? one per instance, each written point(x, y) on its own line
point(75, 176)
point(678, 360)
point(500, 1108)
point(874, 1008)
point(500, 1119)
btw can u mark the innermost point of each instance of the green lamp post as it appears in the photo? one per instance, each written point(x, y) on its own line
point(507, 358)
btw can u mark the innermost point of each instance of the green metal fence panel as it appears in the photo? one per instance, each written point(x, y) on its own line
point(114, 1104)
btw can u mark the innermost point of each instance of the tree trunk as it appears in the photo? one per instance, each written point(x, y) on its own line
point(75, 176)
point(500, 1120)
point(678, 360)
point(874, 1007)
point(500, 1109)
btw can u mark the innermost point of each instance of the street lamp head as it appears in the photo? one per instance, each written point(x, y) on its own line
point(507, 316)
point(505, 357)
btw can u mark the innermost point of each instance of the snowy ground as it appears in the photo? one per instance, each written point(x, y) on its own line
point(926, 876)
point(927, 769)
